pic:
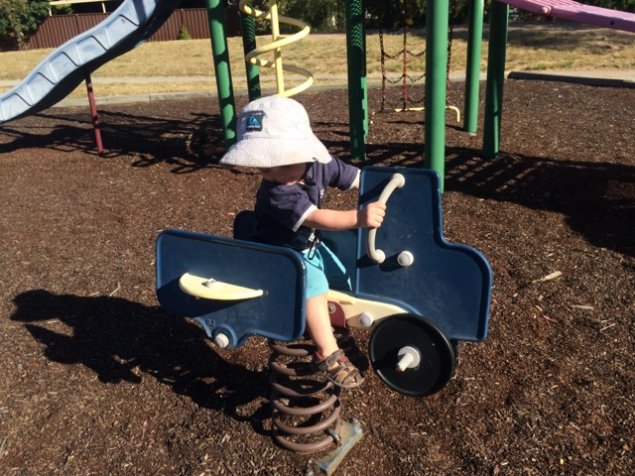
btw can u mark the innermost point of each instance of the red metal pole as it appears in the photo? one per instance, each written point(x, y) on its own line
point(404, 73)
point(93, 114)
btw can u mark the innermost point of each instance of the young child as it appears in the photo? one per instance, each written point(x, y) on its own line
point(275, 136)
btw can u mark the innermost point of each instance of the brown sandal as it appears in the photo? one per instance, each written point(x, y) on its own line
point(344, 374)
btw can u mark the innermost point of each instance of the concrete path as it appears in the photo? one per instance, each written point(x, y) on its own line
point(596, 77)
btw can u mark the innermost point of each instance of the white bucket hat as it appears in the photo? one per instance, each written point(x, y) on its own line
point(275, 131)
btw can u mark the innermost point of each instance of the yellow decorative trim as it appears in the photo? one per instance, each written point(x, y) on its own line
point(208, 288)
point(354, 308)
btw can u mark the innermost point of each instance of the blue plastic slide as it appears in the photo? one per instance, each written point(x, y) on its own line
point(66, 67)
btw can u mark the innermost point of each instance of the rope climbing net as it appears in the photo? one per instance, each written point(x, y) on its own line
point(407, 79)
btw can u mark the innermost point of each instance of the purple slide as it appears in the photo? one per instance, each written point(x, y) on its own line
point(578, 12)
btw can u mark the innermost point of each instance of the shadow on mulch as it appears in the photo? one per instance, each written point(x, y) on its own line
point(597, 199)
point(114, 337)
point(187, 145)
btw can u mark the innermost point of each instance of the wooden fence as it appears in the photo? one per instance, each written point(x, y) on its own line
point(58, 29)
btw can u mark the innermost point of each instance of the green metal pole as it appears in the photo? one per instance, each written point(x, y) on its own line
point(499, 17)
point(473, 70)
point(248, 29)
point(435, 89)
point(220, 54)
point(357, 83)
point(364, 78)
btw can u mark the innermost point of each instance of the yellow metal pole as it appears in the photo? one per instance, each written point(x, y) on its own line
point(277, 54)
point(254, 57)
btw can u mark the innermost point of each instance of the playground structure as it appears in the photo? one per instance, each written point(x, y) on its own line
point(57, 75)
point(436, 68)
point(499, 16)
point(65, 68)
point(419, 296)
point(430, 335)
point(135, 20)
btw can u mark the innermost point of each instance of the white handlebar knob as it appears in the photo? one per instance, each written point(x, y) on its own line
point(405, 259)
point(404, 362)
point(409, 358)
point(221, 340)
point(366, 319)
point(380, 256)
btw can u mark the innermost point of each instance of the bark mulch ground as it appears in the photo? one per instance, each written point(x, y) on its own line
point(97, 379)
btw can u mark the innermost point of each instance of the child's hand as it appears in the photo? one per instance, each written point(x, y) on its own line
point(372, 215)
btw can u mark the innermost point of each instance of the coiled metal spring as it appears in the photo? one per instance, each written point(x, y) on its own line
point(305, 411)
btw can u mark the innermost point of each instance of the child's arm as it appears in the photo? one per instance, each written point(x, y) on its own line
point(370, 216)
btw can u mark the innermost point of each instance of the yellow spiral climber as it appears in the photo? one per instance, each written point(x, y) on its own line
point(279, 41)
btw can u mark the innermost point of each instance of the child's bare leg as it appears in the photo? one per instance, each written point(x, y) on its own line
point(319, 324)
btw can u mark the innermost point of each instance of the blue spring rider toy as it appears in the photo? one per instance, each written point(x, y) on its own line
point(417, 294)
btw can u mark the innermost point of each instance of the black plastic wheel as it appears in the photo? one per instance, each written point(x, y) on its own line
point(437, 355)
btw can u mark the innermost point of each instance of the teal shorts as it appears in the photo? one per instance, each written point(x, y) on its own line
point(324, 270)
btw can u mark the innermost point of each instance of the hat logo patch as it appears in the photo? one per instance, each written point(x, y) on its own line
point(254, 122)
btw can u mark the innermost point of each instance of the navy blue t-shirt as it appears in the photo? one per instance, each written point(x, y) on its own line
point(281, 209)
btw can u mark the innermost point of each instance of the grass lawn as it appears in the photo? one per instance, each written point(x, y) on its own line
point(186, 66)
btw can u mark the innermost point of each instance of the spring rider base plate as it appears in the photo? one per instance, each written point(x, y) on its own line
point(350, 433)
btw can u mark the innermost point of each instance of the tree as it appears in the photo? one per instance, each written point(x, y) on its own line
point(322, 15)
point(20, 17)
